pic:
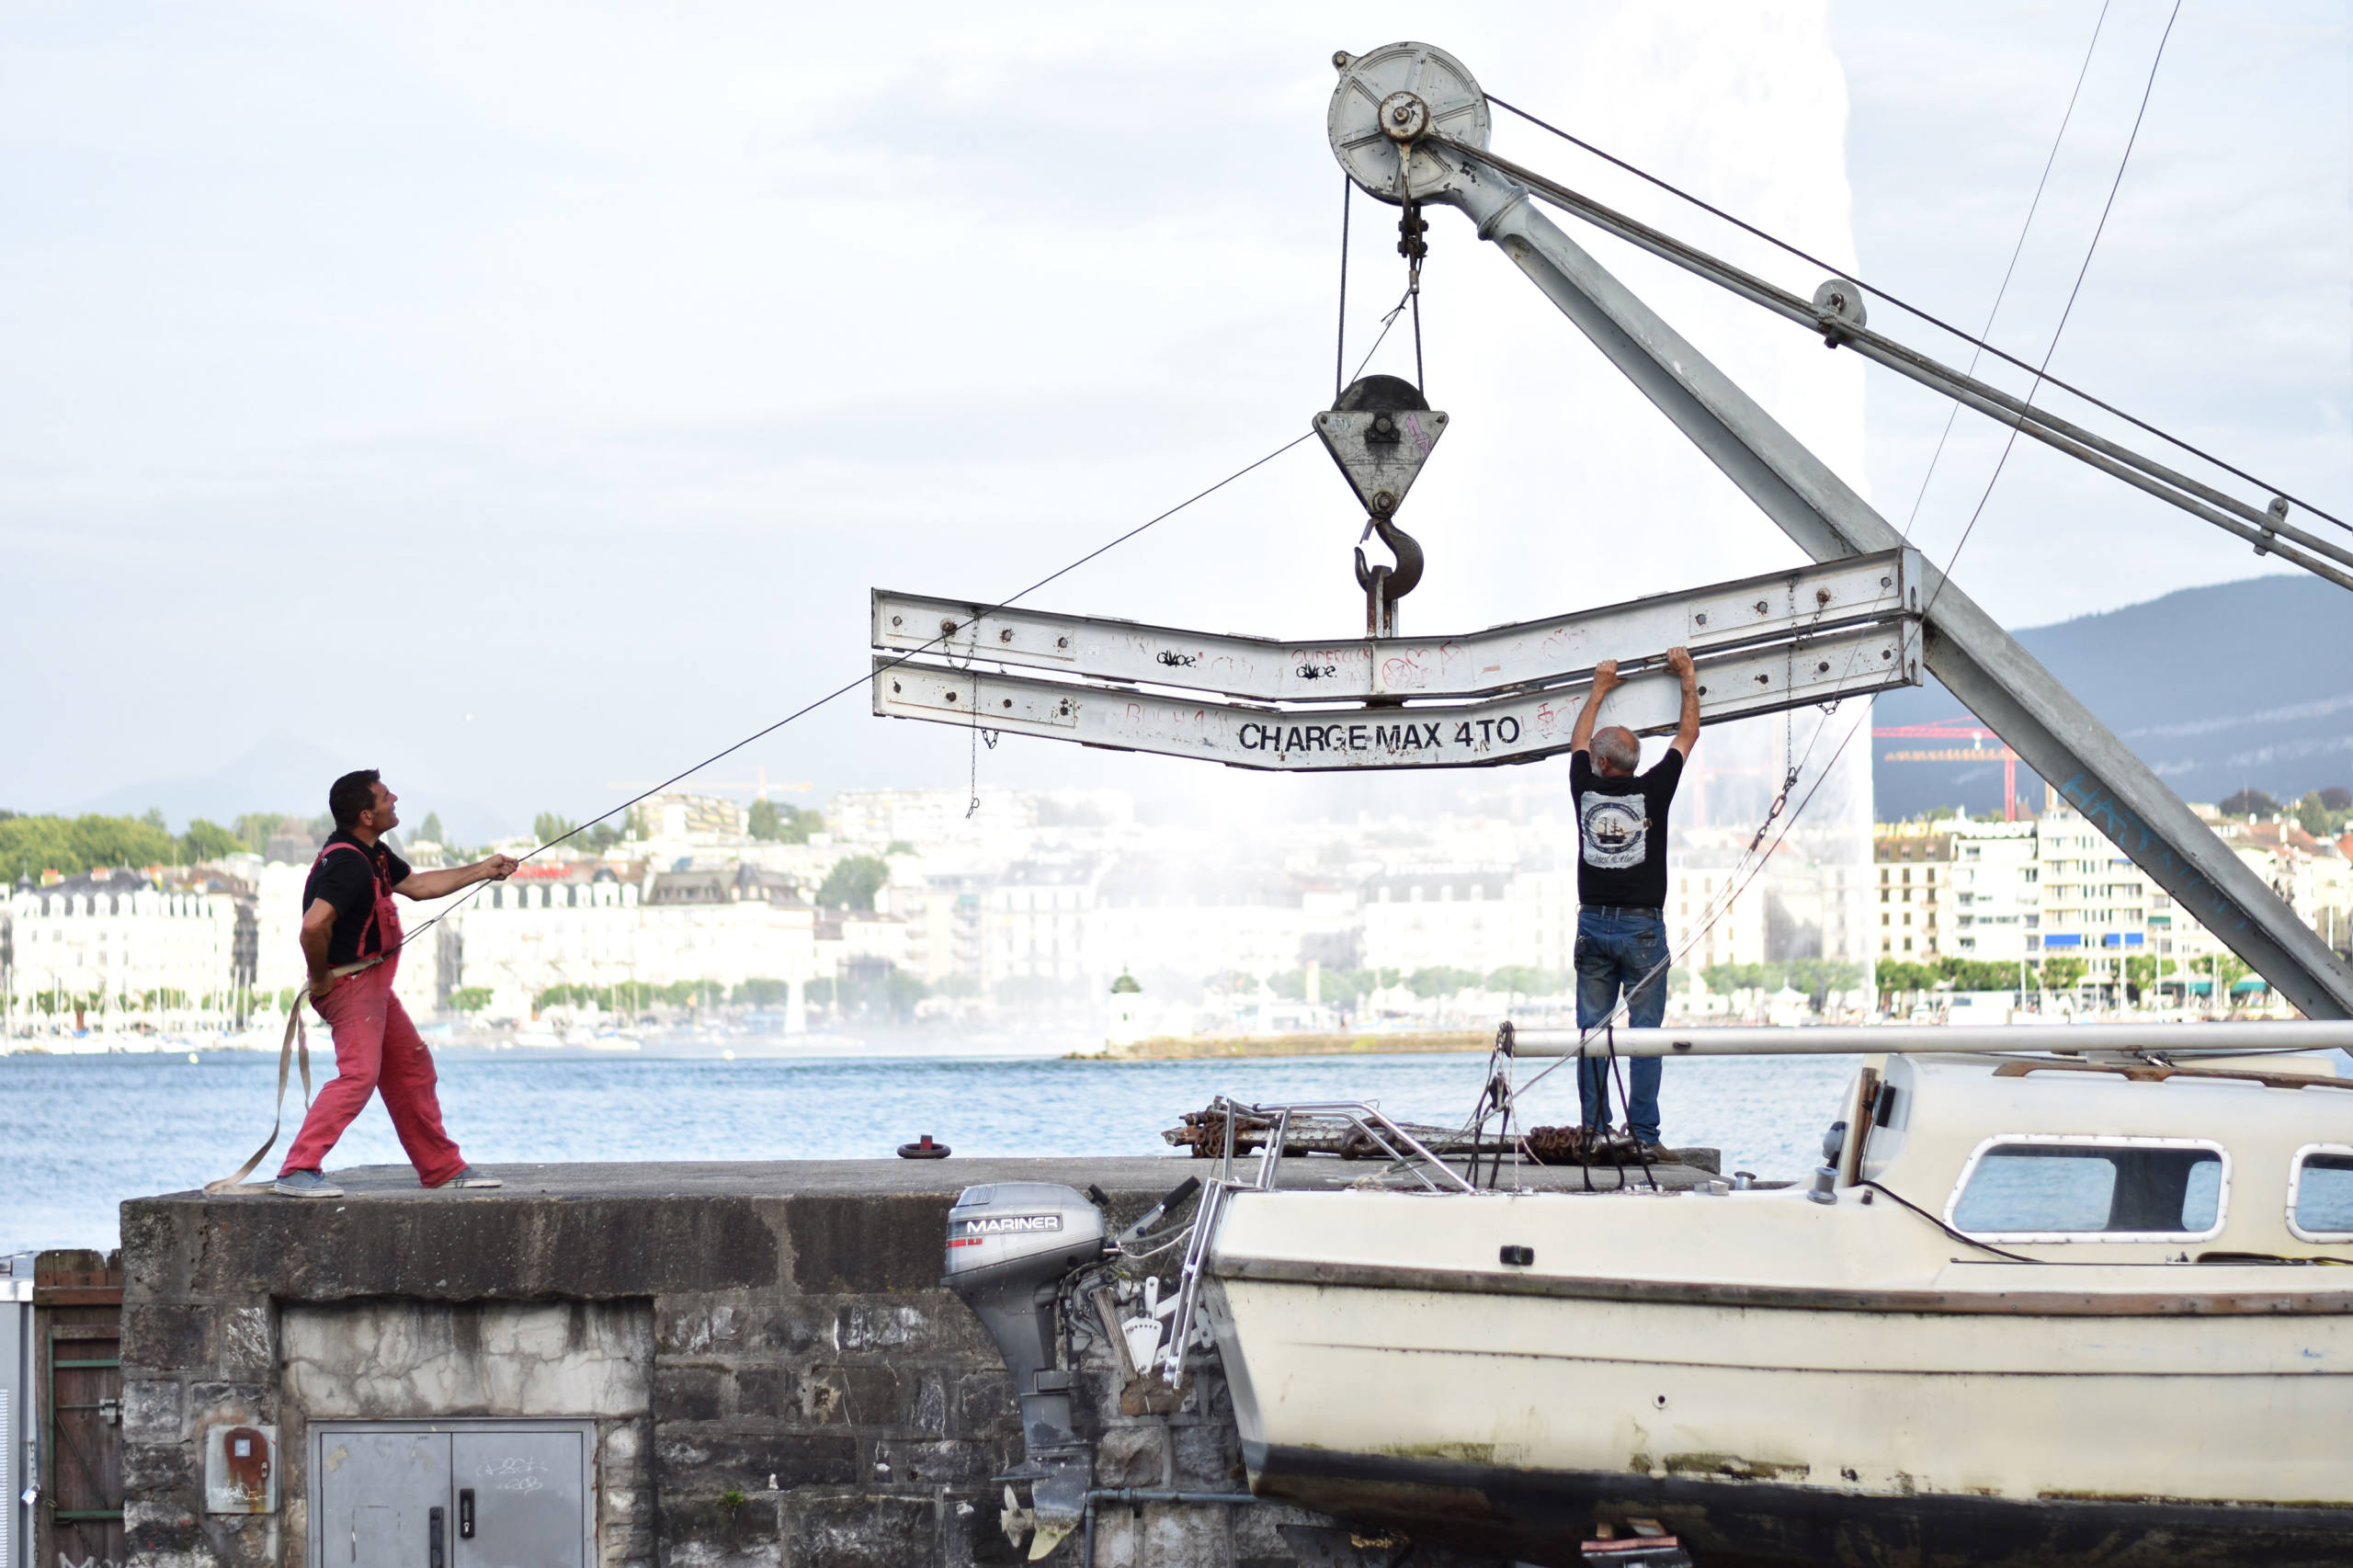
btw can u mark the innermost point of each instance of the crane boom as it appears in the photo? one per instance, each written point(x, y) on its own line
point(1409, 125)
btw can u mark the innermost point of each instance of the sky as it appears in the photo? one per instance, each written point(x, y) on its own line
point(524, 400)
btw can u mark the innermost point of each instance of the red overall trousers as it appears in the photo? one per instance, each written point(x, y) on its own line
point(376, 1047)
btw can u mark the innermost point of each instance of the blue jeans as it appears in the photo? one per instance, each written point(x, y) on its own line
point(1616, 949)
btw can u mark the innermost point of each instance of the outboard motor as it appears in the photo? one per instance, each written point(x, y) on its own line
point(1009, 1247)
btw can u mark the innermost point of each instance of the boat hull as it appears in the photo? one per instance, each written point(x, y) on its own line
point(1541, 1515)
point(1836, 1431)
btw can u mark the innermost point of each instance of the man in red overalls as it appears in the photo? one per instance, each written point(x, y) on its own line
point(351, 934)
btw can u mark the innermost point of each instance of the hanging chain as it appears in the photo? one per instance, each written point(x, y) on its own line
point(973, 786)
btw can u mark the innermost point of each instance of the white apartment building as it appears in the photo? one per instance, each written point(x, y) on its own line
point(942, 918)
point(1443, 919)
point(1996, 891)
point(1035, 936)
point(521, 938)
point(1547, 901)
point(2055, 887)
point(1712, 918)
point(1199, 939)
point(2097, 905)
point(1913, 863)
point(2312, 875)
point(677, 815)
point(110, 949)
point(850, 939)
point(875, 819)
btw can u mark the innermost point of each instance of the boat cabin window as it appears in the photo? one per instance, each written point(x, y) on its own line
point(2071, 1188)
point(2320, 1194)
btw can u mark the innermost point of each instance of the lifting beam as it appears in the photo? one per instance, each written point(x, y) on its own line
point(1771, 609)
point(1521, 727)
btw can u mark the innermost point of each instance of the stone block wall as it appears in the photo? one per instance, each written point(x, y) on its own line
point(776, 1377)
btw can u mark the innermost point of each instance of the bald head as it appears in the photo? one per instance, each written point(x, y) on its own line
point(1616, 752)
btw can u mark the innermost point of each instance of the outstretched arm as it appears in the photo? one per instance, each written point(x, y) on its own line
point(1605, 681)
point(1687, 731)
point(438, 885)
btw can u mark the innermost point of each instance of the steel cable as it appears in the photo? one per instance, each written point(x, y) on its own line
point(1340, 350)
point(848, 686)
point(1902, 304)
point(2032, 207)
point(2011, 441)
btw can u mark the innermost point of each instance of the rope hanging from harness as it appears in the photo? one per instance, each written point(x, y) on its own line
point(296, 1043)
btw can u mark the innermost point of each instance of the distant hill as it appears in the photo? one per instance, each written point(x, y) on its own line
point(286, 773)
point(2239, 684)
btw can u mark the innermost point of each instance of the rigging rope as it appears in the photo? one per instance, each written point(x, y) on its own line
point(2011, 442)
point(1386, 323)
point(1340, 353)
point(848, 686)
point(1935, 320)
point(1953, 414)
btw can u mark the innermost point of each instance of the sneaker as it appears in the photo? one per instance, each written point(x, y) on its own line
point(305, 1184)
point(468, 1177)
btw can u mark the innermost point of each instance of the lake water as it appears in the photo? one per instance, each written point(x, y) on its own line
point(82, 1134)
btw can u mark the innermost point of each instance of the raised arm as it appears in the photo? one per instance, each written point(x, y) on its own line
point(1687, 729)
point(439, 884)
point(1605, 681)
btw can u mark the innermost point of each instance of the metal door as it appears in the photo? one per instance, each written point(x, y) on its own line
point(518, 1498)
point(379, 1496)
point(469, 1492)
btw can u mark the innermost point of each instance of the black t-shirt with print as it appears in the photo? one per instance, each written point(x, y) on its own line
point(348, 881)
point(1622, 831)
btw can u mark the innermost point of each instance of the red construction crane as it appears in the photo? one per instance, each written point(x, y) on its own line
point(1954, 730)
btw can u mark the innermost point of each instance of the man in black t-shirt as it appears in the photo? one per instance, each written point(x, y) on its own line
point(1621, 887)
point(351, 940)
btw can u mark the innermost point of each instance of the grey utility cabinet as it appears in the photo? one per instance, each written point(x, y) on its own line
point(18, 1475)
point(455, 1493)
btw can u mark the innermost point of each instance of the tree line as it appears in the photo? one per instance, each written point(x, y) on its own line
point(2323, 813)
point(2141, 972)
point(32, 844)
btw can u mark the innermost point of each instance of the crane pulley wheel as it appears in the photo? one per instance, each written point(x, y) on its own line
point(1388, 100)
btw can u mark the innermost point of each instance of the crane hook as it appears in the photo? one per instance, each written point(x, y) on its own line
point(1384, 585)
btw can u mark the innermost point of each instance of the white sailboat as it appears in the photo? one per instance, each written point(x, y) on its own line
point(2033, 1309)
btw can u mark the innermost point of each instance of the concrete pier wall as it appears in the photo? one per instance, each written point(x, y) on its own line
point(774, 1375)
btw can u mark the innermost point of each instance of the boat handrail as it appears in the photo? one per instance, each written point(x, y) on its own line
point(1402, 1147)
point(1931, 1039)
point(1362, 1116)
